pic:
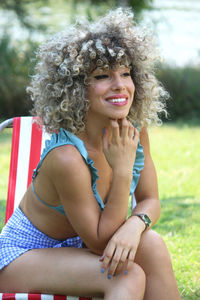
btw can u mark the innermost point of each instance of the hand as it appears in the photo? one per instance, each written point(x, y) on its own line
point(120, 251)
point(119, 146)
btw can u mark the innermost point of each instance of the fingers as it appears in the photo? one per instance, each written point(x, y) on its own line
point(131, 131)
point(115, 133)
point(122, 129)
point(117, 259)
point(107, 256)
point(131, 258)
point(125, 130)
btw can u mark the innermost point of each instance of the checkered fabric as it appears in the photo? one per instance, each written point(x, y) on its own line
point(19, 236)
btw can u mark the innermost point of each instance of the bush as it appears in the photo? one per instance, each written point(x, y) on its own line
point(16, 66)
point(184, 87)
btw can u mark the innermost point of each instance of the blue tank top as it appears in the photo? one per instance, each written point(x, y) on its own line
point(64, 137)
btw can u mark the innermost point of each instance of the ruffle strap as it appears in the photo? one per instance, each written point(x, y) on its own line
point(64, 137)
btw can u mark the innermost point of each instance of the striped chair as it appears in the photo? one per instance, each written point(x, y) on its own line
point(28, 141)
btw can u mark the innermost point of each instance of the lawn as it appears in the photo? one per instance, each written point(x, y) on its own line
point(176, 153)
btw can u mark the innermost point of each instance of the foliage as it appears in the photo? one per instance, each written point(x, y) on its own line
point(137, 5)
point(26, 18)
point(15, 67)
point(20, 7)
point(184, 88)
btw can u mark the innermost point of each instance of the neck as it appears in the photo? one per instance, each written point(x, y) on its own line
point(93, 133)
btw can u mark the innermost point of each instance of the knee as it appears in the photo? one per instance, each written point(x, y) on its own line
point(153, 250)
point(136, 280)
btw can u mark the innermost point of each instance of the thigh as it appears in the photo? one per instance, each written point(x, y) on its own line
point(54, 270)
point(67, 271)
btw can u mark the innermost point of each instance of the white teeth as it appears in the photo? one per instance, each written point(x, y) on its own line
point(118, 100)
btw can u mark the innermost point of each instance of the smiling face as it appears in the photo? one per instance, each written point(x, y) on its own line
point(110, 93)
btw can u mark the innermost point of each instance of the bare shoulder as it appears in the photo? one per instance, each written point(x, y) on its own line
point(66, 160)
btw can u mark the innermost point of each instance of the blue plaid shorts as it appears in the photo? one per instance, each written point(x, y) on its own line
point(19, 235)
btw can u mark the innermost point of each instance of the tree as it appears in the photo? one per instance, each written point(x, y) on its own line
point(20, 7)
point(23, 12)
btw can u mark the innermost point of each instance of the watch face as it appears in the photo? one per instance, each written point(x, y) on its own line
point(147, 219)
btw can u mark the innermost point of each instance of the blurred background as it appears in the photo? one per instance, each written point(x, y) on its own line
point(176, 25)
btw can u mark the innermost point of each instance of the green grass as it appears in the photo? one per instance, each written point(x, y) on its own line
point(5, 146)
point(175, 151)
point(176, 154)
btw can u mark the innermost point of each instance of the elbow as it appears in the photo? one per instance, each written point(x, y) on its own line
point(97, 251)
point(97, 247)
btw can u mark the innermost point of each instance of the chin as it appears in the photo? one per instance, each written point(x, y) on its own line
point(118, 116)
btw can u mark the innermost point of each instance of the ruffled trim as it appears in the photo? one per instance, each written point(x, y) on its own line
point(137, 168)
point(64, 137)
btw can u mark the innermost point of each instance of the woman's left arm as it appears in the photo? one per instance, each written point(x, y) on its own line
point(121, 249)
point(146, 193)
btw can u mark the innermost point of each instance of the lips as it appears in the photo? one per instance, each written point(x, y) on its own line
point(118, 100)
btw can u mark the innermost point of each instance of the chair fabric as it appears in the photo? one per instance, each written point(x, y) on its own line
point(28, 141)
point(20, 296)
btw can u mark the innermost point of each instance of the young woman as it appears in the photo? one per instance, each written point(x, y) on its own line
point(96, 92)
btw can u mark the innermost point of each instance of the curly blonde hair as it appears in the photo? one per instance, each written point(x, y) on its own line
point(65, 62)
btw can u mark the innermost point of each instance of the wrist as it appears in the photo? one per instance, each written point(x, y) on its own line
point(123, 174)
point(137, 224)
point(145, 219)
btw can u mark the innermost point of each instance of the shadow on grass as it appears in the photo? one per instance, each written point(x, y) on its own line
point(191, 296)
point(177, 213)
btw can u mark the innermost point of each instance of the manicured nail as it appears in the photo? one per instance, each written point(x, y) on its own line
point(102, 270)
point(126, 272)
point(104, 130)
point(109, 276)
point(114, 274)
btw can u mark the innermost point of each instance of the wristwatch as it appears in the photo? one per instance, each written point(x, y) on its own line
point(145, 219)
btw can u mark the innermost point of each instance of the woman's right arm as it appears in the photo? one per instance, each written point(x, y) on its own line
point(72, 180)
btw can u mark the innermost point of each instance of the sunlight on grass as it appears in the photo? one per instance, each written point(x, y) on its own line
point(176, 154)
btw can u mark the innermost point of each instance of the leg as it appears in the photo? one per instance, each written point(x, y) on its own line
point(69, 271)
point(153, 257)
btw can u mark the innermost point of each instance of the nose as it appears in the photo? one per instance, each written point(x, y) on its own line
point(117, 82)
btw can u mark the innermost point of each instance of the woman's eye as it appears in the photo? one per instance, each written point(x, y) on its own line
point(99, 77)
point(126, 74)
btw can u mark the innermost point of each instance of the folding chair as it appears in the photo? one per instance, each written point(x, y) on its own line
point(28, 141)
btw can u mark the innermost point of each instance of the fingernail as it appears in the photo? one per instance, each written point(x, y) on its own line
point(104, 130)
point(102, 270)
point(126, 272)
point(101, 258)
point(109, 276)
point(114, 274)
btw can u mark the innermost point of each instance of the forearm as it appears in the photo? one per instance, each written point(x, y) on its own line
point(149, 206)
point(116, 209)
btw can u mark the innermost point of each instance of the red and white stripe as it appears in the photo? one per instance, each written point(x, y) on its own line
point(20, 296)
point(28, 142)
